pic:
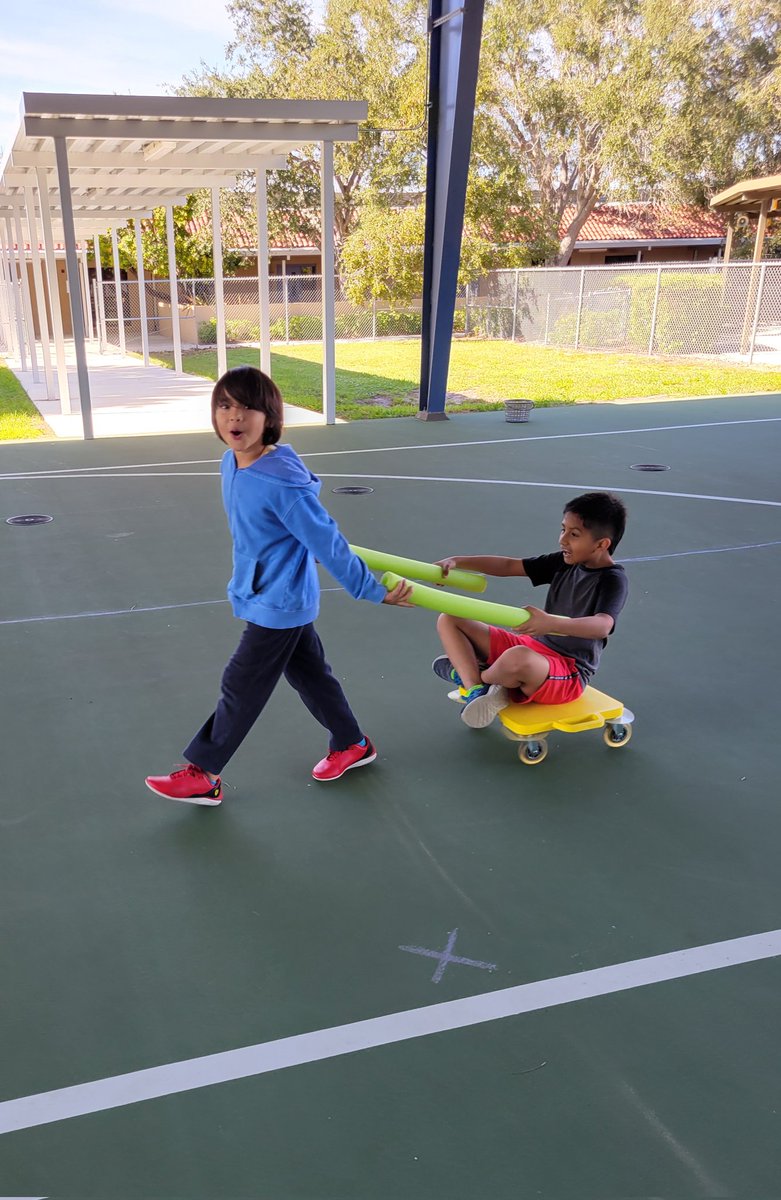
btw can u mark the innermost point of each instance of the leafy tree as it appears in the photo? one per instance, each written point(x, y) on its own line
point(620, 98)
point(192, 243)
point(383, 258)
point(743, 240)
point(364, 49)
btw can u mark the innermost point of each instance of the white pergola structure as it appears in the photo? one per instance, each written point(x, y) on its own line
point(82, 166)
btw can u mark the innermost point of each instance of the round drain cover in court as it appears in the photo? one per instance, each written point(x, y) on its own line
point(29, 519)
point(353, 491)
point(648, 467)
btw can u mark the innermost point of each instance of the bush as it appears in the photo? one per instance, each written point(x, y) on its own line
point(300, 329)
point(687, 319)
point(490, 322)
point(354, 325)
point(399, 324)
point(235, 331)
point(597, 329)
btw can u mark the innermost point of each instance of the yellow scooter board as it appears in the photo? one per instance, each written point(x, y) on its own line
point(531, 723)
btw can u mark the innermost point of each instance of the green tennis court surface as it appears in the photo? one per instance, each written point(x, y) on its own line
point(448, 975)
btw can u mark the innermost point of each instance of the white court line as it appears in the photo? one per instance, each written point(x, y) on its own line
point(116, 1091)
point(134, 475)
point(686, 553)
point(546, 437)
point(569, 487)
point(112, 612)
point(539, 437)
point(122, 612)
point(194, 462)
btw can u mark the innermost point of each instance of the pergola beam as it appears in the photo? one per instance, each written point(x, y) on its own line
point(130, 178)
point(103, 161)
point(299, 112)
point(204, 131)
point(217, 160)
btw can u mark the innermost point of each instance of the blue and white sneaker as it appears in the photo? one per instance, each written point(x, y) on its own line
point(444, 668)
point(481, 705)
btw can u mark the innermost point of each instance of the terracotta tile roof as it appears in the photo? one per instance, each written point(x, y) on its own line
point(641, 222)
point(633, 222)
point(238, 236)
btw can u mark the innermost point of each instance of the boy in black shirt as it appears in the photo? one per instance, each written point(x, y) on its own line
point(551, 658)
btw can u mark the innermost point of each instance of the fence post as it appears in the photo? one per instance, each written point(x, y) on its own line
point(98, 321)
point(547, 317)
point(756, 312)
point(374, 318)
point(285, 298)
point(466, 310)
point(515, 302)
point(655, 311)
point(580, 306)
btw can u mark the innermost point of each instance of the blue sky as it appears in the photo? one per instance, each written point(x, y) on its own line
point(142, 47)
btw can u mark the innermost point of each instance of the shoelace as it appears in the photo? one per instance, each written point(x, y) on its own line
point(189, 769)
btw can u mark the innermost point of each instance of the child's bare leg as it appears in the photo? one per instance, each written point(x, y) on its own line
point(463, 641)
point(519, 667)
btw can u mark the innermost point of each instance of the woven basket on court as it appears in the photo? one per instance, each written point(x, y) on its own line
point(517, 410)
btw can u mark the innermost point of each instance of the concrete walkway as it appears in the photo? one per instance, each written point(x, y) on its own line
point(129, 399)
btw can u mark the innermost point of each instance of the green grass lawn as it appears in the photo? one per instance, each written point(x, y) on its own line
point(379, 379)
point(19, 418)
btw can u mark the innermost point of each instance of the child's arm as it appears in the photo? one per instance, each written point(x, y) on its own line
point(597, 627)
point(483, 564)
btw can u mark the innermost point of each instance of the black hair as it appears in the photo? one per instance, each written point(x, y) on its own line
point(602, 514)
point(252, 389)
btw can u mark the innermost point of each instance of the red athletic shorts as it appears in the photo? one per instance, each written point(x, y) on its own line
point(563, 682)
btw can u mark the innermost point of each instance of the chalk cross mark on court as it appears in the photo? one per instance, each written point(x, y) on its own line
point(446, 957)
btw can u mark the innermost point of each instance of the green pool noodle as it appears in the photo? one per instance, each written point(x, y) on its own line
point(467, 581)
point(460, 606)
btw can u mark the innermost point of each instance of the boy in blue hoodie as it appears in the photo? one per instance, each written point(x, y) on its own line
point(279, 530)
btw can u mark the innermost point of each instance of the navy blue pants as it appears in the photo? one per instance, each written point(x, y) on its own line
point(262, 658)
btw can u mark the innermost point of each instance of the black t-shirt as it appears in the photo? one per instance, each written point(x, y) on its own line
point(578, 591)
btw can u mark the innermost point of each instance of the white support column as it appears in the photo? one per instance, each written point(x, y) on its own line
point(6, 307)
point(219, 289)
point(55, 308)
point(27, 306)
point(327, 279)
point(141, 291)
point(85, 294)
point(100, 311)
point(72, 267)
point(264, 304)
point(174, 287)
point(40, 295)
point(16, 299)
point(118, 292)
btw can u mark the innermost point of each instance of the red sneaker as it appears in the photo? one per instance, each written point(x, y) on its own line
point(334, 765)
point(190, 784)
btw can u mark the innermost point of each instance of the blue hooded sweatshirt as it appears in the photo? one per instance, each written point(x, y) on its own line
point(279, 527)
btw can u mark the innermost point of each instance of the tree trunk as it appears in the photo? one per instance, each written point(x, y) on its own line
point(567, 244)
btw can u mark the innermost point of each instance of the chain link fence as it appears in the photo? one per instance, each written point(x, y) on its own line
point(295, 312)
point(670, 309)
